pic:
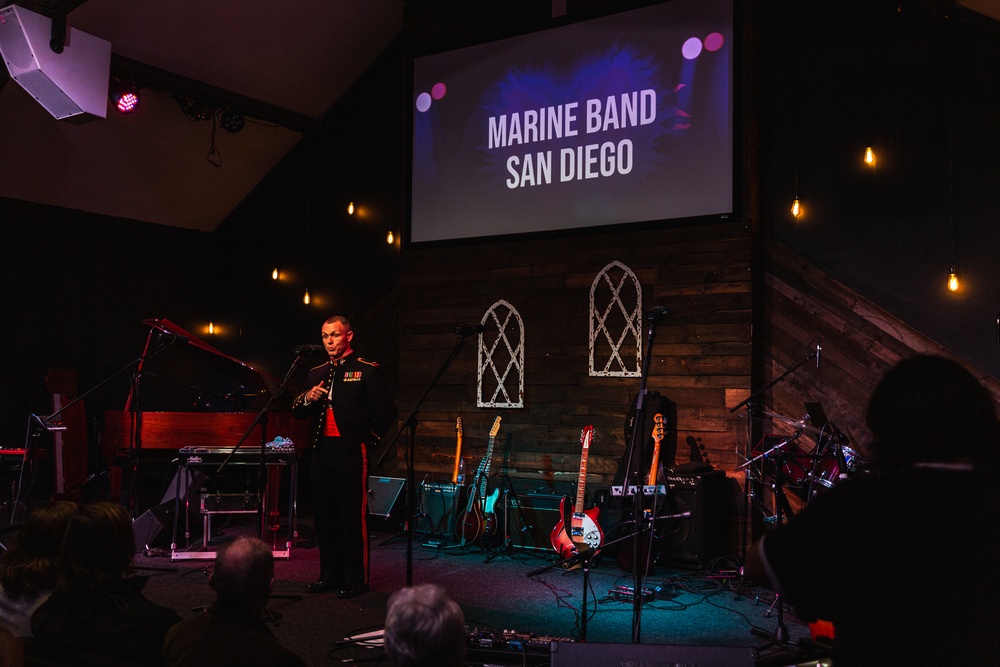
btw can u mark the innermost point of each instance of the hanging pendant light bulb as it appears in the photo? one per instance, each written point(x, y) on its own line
point(389, 238)
point(869, 156)
point(350, 208)
point(211, 327)
point(953, 280)
point(796, 207)
point(305, 299)
point(274, 274)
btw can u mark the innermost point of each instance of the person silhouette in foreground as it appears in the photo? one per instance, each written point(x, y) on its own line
point(97, 614)
point(231, 631)
point(904, 562)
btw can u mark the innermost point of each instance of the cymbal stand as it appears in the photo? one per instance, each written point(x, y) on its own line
point(751, 406)
point(780, 635)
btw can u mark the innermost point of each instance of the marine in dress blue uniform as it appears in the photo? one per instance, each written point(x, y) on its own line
point(351, 406)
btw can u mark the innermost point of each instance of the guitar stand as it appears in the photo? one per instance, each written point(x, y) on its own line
point(509, 495)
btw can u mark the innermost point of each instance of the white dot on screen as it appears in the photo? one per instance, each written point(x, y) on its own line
point(691, 48)
point(423, 102)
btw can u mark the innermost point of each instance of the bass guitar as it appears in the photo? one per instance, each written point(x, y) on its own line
point(626, 555)
point(583, 531)
point(470, 521)
point(654, 467)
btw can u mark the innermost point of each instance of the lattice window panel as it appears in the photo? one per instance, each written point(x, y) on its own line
point(501, 358)
point(615, 323)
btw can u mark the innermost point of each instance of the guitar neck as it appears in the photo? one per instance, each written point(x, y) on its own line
point(581, 481)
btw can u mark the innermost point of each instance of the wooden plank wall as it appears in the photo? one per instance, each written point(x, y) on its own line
point(700, 357)
point(860, 342)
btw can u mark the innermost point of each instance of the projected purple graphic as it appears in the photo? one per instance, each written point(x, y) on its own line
point(621, 119)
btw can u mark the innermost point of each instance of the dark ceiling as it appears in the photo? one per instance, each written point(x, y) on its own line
point(284, 65)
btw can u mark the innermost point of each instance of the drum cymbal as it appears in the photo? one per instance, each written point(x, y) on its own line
point(799, 424)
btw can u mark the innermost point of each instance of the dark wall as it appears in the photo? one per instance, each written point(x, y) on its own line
point(918, 80)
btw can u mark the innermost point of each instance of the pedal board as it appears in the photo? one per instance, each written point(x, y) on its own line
point(628, 593)
point(507, 647)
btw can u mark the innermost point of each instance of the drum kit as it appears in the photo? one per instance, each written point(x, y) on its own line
point(789, 463)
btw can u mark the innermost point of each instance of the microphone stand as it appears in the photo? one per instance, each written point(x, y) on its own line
point(653, 317)
point(51, 423)
point(410, 426)
point(261, 419)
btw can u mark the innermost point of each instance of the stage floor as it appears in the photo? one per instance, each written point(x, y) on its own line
point(506, 600)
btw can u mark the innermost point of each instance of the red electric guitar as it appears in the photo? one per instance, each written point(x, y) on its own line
point(584, 532)
point(471, 522)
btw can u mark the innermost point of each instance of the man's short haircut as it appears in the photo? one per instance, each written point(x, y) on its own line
point(244, 569)
point(425, 628)
point(338, 318)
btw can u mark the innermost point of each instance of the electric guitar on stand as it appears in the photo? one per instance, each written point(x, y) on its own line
point(654, 467)
point(458, 452)
point(583, 531)
point(626, 554)
point(471, 520)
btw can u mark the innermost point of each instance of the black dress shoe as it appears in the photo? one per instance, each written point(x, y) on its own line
point(352, 591)
point(318, 587)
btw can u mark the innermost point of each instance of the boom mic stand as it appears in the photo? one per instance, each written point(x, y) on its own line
point(636, 446)
point(410, 426)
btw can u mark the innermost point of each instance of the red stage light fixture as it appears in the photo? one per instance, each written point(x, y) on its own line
point(125, 97)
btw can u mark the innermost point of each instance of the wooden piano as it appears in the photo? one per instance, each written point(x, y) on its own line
point(205, 437)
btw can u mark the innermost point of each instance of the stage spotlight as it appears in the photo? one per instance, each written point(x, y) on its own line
point(124, 96)
point(231, 121)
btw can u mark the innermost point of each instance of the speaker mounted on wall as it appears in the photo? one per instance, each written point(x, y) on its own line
point(65, 70)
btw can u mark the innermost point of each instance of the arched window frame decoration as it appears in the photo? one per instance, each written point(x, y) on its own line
point(502, 315)
point(632, 327)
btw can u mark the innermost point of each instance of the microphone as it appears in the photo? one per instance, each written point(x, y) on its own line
point(656, 314)
point(468, 329)
point(301, 350)
point(819, 348)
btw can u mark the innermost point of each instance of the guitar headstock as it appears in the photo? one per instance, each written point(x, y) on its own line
point(458, 426)
point(586, 435)
point(496, 427)
point(658, 427)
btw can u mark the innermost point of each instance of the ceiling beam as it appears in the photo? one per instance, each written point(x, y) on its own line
point(148, 76)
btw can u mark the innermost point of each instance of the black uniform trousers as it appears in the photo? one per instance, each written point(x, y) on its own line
point(339, 479)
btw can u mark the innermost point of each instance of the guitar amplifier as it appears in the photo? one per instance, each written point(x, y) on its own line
point(439, 505)
point(531, 518)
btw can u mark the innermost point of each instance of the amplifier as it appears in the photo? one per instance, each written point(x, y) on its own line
point(439, 504)
point(530, 518)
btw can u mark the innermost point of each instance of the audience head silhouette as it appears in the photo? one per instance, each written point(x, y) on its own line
point(424, 627)
point(244, 574)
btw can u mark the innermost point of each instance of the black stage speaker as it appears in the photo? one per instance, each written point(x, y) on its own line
point(384, 493)
point(694, 541)
point(440, 505)
point(386, 504)
point(531, 517)
point(571, 654)
point(150, 526)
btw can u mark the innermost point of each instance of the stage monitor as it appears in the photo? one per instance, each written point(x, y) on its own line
point(619, 119)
